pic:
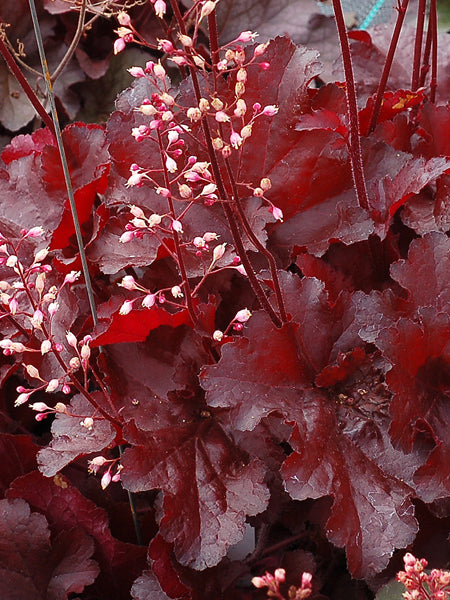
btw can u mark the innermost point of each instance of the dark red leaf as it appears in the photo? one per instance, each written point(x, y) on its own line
point(33, 565)
point(115, 328)
point(209, 490)
point(372, 513)
point(65, 508)
point(71, 439)
point(425, 273)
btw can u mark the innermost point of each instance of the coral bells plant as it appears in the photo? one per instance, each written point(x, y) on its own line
point(235, 359)
point(421, 585)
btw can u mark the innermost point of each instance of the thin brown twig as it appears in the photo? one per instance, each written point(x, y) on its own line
point(73, 45)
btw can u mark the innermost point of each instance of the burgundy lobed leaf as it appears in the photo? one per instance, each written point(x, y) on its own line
point(271, 369)
point(114, 328)
point(66, 509)
point(425, 272)
point(372, 513)
point(37, 566)
point(208, 494)
point(72, 439)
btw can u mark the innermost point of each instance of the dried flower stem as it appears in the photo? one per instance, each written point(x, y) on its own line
point(350, 91)
point(434, 49)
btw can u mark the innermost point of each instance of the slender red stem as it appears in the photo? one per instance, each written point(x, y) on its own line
point(13, 67)
point(401, 11)
point(418, 44)
point(434, 49)
point(350, 90)
point(234, 229)
point(176, 239)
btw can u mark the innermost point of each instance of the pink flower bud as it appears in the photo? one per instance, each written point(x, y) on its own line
point(46, 346)
point(259, 50)
point(246, 131)
point(185, 191)
point(165, 46)
point(126, 307)
point(85, 352)
point(221, 117)
point(119, 45)
point(218, 335)
point(41, 255)
point(32, 371)
point(66, 388)
point(136, 72)
point(207, 9)
point(71, 339)
point(105, 480)
point(39, 406)
point(259, 582)
point(218, 252)
point(246, 36)
point(160, 8)
point(21, 399)
point(277, 213)
point(270, 110)
point(59, 347)
point(172, 136)
point(210, 236)
point(199, 242)
point(98, 461)
point(52, 308)
point(72, 277)
point(209, 188)
point(13, 306)
point(159, 71)
point(11, 261)
point(171, 165)
point(52, 385)
point(226, 151)
point(186, 40)
point(40, 416)
point(235, 140)
point(136, 211)
point(242, 316)
point(35, 232)
point(124, 19)
point(241, 75)
point(177, 226)
point(280, 575)
point(154, 219)
point(128, 282)
point(37, 318)
point(149, 300)
point(176, 291)
point(126, 237)
point(306, 580)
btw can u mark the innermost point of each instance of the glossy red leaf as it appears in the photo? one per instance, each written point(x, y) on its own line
point(114, 328)
point(209, 490)
point(72, 439)
point(65, 509)
point(36, 566)
point(372, 513)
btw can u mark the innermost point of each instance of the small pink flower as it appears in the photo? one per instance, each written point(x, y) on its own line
point(166, 46)
point(126, 307)
point(149, 301)
point(277, 213)
point(136, 72)
point(35, 232)
point(127, 236)
point(160, 8)
point(119, 45)
point(246, 36)
point(72, 277)
point(270, 110)
point(177, 226)
point(242, 316)
point(105, 480)
point(235, 140)
point(124, 19)
point(128, 282)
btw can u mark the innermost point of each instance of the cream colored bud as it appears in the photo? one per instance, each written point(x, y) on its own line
point(217, 103)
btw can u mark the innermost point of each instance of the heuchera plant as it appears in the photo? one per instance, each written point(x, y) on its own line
point(270, 349)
